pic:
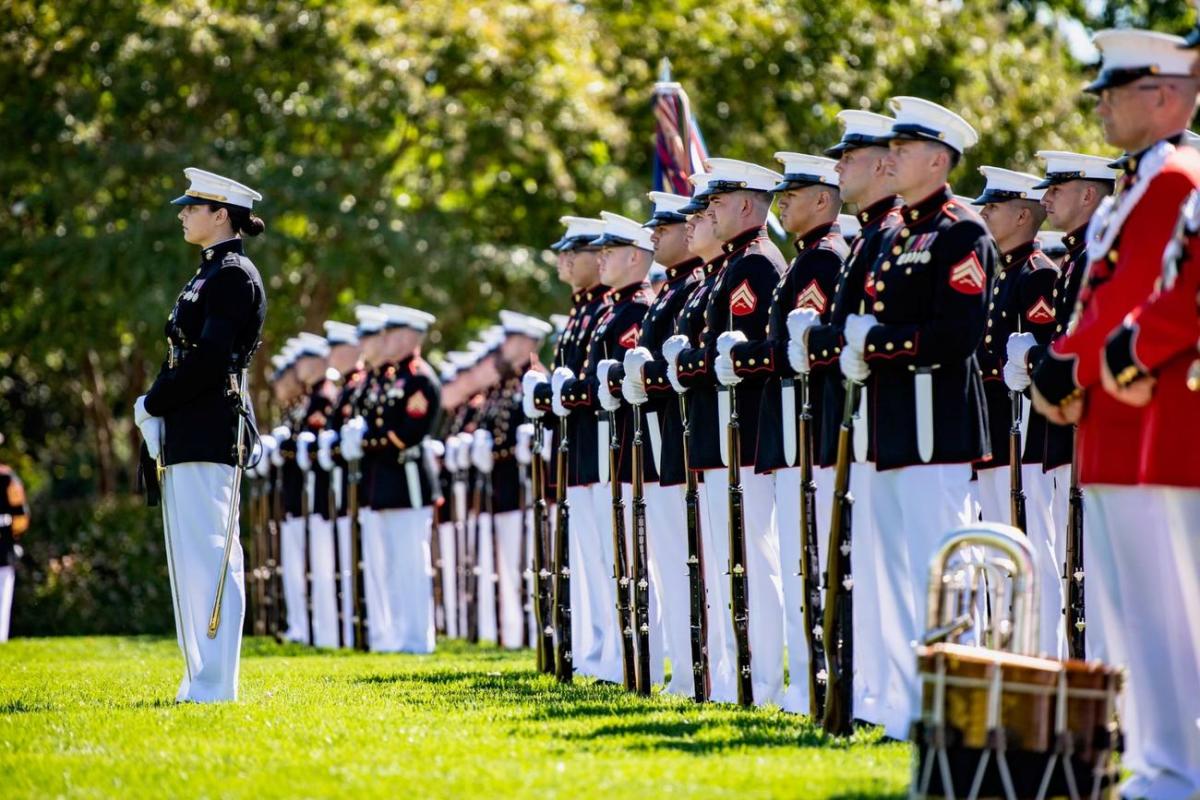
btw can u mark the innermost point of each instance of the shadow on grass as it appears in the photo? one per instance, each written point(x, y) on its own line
point(687, 736)
point(21, 707)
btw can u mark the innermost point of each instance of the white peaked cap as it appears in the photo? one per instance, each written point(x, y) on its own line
point(280, 362)
point(1007, 184)
point(917, 118)
point(371, 319)
point(559, 321)
point(1130, 53)
point(447, 371)
point(406, 317)
point(461, 359)
point(1062, 166)
point(861, 129)
point(666, 208)
point(849, 225)
point(340, 332)
point(313, 345)
point(493, 337)
point(580, 230)
point(524, 325)
point(622, 231)
point(731, 175)
point(209, 187)
point(800, 169)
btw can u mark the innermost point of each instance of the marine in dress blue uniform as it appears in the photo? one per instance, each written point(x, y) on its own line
point(739, 198)
point(189, 419)
point(809, 203)
point(915, 350)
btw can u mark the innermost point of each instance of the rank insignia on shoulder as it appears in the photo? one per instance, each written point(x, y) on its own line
point(812, 297)
point(742, 300)
point(417, 406)
point(629, 338)
point(968, 276)
point(1040, 313)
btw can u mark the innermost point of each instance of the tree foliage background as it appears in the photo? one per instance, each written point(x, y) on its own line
point(419, 153)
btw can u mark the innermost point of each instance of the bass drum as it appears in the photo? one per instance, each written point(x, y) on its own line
point(1002, 725)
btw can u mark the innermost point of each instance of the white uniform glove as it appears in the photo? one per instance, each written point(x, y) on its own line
point(561, 376)
point(452, 453)
point(633, 385)
point(303, 442)
point(723, 366)
point(672, 347)
point(854, 364)
point(608, 401)
point(529, 383)
point(325, 440)
point(277, 451)
point(151, 427)
point(524, 443)
point(1016, 371)
point(268, 445)
point(482, 456)
point(465, 442)
point(432, 450)
point(799, 320)
point(352, 437)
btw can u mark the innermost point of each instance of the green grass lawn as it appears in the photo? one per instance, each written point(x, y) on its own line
point(95, 717)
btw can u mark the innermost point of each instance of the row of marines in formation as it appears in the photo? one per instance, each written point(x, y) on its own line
point(674, 483)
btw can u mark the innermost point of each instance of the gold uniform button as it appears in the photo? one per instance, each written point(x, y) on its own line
point(988, 339)
point(870, 348)
point(908, 345)
point(996, 290)
point(837, 349)
point(737, 363)
point(889, 347)
point(824, 353)
point(752, 362)
point(878, 305)
point(905, 233)
point(896, 250)
point(765, 361)
point(879, 286)
point(885, 266)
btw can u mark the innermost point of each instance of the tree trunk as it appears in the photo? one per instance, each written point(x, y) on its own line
point(95, 403)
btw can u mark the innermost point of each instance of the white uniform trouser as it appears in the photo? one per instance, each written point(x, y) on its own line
point(601, 589)
point(8, 581)
point(788, 496)
point(657, 668)
point(1142, 559)
point(870, 651)
point(511, 572)
point(763, 577)
point(485, 577)
point(586, 644)
point(295, 585)
point(449, 553)
point(320, 554)
point(914, 508)
point(378, 621)
point(346, 577)
point(995, 491)
point(196, 499)
point(408, 579)
point(666, 518)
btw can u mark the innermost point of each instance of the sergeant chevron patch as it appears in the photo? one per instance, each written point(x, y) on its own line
point(812, 297)
point(742, 300)
point(967, 276)
point(629, 338)
point(417, 406)
point(1040, 313)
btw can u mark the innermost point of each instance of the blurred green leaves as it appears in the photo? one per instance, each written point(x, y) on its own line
point(418, 153)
